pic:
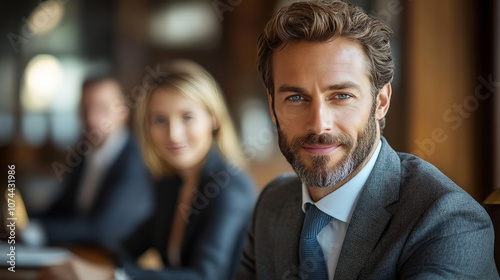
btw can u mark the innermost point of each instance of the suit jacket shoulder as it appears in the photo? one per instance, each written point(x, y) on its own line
point(413, 221)
point(282, 189)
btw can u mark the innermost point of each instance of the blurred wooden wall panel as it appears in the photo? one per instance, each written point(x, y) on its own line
point(496, 53)
point(442, 70)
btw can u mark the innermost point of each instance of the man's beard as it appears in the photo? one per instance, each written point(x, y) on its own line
point(319, 174)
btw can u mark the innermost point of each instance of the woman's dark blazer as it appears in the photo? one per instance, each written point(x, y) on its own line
point(215, 230)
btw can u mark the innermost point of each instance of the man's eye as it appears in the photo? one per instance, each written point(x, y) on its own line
point(188, 117)
point(342, 96)
point(295, 98)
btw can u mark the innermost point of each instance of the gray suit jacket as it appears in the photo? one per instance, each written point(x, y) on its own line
point(410, 222)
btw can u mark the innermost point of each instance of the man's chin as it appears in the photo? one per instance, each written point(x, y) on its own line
point(325, 163)
point(322, 179)
point(323, 172)
point(316, 182)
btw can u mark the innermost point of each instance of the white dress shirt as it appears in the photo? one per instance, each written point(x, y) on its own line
point(97, 165)
point(340, 205)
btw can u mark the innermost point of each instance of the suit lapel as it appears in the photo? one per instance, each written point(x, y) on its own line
point(370, 218)
point(67, 204)
point(288, 229)
point(108, 182)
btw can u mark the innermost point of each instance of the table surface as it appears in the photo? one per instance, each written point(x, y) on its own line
point(92, 254)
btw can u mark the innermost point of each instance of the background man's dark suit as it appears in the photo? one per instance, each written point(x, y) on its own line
point(410, 222)
point(124, 199)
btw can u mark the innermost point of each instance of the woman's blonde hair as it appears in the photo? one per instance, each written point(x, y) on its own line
point(192, 81)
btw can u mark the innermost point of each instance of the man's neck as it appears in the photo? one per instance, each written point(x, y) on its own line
point(318, 193)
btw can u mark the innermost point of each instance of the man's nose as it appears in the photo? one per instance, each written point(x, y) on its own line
point(93, 119)
point(320, 117)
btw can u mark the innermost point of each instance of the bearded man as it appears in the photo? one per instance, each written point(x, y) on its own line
point(356, 208)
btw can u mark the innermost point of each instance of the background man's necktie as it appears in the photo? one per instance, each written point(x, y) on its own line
point(312, 260)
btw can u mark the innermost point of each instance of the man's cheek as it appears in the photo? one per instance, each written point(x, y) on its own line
point(348, 123)
point(290, 116)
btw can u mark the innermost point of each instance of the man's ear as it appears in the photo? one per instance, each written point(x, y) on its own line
point(383, 101)
point(270, 99)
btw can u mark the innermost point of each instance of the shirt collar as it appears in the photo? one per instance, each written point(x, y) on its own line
point(340, 203)
point(110, 149)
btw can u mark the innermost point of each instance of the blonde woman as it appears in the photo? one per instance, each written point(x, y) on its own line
point(204, 201)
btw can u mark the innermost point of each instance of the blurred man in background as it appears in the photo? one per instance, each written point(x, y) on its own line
point(109, 192)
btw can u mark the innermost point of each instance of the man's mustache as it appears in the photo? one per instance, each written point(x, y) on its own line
point(323, 139)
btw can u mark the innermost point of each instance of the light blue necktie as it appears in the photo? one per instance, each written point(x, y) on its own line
point(312, 260)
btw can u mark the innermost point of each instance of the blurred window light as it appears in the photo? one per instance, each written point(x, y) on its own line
point(34, 128)
point(42, 81)
point(186, 24)
point(67, 99)
point(65, 128)
point(64, 111)
point(257, 130)
point(46, 17)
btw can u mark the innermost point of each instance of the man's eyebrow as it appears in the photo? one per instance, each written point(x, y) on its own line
point(286, 88)
point(346, 85)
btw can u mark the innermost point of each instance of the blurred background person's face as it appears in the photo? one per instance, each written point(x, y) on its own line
point(103, 110)
point(181, 129)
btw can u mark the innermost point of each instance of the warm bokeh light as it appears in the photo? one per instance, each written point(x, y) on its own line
point(43, 80)
point(46, 17)
point(20, 210)
point(192, 24)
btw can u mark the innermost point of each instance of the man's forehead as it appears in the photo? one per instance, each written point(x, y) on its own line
point(337, 55)
point(102, 88)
